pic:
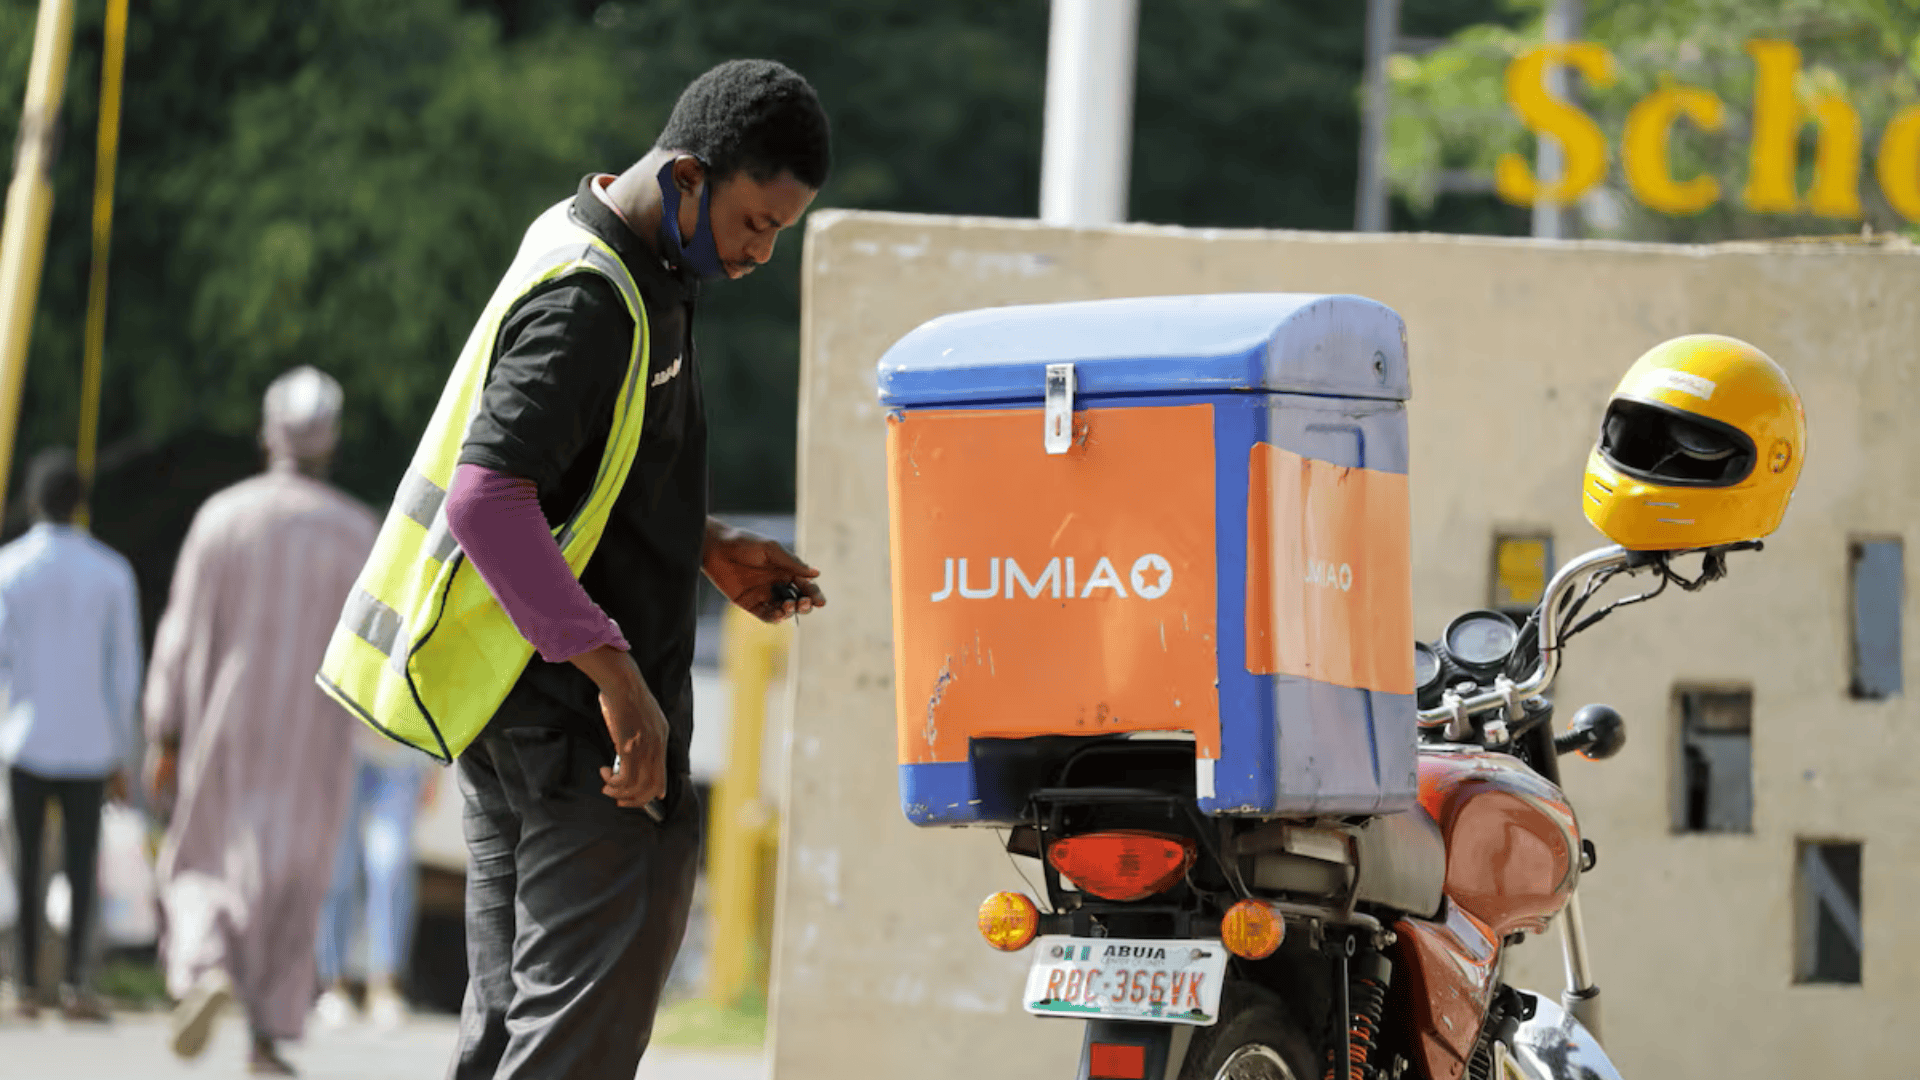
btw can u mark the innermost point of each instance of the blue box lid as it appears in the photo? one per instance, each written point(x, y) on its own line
point(1302, 343)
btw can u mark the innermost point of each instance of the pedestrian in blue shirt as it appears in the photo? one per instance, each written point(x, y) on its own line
point(70, 672)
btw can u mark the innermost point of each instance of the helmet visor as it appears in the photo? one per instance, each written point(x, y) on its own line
point(1663, 445)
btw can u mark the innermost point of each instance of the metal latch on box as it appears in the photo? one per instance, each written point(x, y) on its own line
point(1059, 413)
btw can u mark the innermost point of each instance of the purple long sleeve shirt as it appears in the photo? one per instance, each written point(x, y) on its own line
point(497, 521)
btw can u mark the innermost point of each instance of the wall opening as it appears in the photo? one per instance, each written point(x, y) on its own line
point(1714, 792)
point(1522, 566)
point(1828, 932)
point(1877, 576)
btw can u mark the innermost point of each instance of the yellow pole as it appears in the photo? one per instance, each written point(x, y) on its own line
point(113, 57)
point(23, 236)
point(743, 826)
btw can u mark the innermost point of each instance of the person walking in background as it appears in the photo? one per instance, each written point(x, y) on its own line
point(374, 879)
point(70, 667)
point(258, 763)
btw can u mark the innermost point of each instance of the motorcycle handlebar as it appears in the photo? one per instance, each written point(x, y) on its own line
point(1455, 710)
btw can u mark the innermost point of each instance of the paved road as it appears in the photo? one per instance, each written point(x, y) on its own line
point(134, 1048)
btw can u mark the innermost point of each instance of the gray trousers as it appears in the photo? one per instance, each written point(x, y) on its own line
point(575, 910)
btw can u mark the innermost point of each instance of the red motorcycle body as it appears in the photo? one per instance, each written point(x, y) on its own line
point(1512, 862)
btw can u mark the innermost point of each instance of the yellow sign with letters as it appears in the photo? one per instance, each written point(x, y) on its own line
point(1772, 157)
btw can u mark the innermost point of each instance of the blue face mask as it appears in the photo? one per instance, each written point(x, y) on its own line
point(701, 254)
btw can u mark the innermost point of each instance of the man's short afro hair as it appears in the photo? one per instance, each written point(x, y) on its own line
point(756, 115)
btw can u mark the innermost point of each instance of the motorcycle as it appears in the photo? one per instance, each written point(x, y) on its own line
point(1361, 947)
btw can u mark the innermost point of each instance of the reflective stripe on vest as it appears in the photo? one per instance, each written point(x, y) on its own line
point(423, 653)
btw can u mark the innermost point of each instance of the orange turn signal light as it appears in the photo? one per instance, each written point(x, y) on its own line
point(1122, 864)
point(1008, 920)
point(1252, 929)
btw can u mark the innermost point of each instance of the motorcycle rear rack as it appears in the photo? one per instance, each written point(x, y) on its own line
point(1054, 801)
point(1046, 808)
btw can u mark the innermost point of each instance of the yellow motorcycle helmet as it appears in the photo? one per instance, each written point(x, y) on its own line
point(1701, 445)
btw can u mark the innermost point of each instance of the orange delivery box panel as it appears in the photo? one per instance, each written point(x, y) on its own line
point(1167, 517)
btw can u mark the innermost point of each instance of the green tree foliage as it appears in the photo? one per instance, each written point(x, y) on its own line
point(1450, 115)
point(1247, 113)
point(340, 182)
point(331, 182)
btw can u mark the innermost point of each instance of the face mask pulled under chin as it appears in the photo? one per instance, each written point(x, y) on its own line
point(700, 254)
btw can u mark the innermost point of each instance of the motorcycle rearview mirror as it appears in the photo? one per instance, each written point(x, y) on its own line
point(1598, 732)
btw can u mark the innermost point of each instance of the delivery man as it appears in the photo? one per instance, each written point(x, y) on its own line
point(529, 608)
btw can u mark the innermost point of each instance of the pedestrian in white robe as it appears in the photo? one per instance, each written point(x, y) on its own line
point(256, 759)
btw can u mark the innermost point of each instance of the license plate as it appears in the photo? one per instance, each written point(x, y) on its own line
point(1173, 982)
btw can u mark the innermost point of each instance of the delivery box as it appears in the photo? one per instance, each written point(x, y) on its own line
point(1166, 517)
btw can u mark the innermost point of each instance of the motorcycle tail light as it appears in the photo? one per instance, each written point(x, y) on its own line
point(1122, 864)
point(1252, 929)
point(1008, 920)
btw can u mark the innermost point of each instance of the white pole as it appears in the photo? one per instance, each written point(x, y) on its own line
point(1371, 207)
point(1089, 121)
point(1563, 23)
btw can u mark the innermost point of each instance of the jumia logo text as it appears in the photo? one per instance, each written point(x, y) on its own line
point(1150, 578)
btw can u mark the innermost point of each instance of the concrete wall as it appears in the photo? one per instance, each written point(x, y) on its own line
point(1515, 344)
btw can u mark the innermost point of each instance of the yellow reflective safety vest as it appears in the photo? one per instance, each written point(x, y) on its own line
point(423, 652)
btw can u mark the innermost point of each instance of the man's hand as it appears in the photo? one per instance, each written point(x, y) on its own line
point(118, 786)
point(163, 776)
point(746, 567)
point(639, 775)
point(636, 724)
